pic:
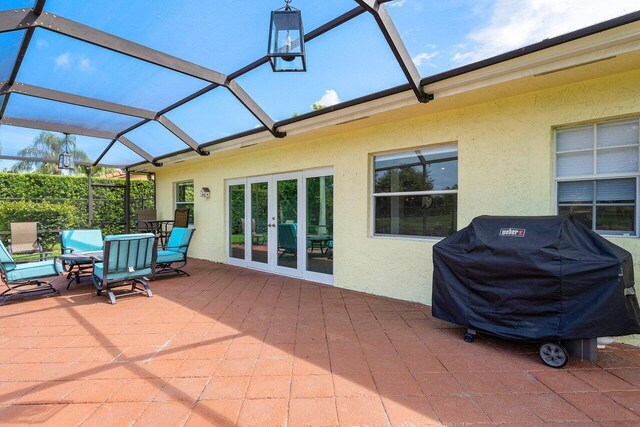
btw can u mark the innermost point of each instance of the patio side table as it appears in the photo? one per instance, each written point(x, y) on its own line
point(78, 265)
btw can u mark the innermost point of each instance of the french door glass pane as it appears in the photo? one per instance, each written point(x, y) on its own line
point(320, 224)
point(259, 222)
point(236, 221)
point(287, 220)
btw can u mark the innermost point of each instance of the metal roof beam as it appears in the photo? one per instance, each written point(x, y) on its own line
point(182, 135)
point(39, 7)
point(108, 41)
point(68, 98)
point(55, 127)
point(254, 108)
point(379, 11)
point(19, 19)
point(139, 151)
point(108, 147)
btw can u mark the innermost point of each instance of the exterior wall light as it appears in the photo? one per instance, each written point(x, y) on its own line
point(205, 193)
point(286, 40)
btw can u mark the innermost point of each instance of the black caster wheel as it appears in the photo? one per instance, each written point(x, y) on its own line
point(553, 354)
point(468, 337)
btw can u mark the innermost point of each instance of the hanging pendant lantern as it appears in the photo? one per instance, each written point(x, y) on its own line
point(286, 40)
point(65, 159)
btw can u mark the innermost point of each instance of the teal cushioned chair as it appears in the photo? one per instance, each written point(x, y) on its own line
point(78, 242)
point(288, 238)
point(175, 252)
point(127, 261)
point(24, 279)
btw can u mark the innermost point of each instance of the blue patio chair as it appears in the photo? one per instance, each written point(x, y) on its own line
point(24, 279)
point(128, 260)
point(79, 242)
point(288, 238)
point(175, 252)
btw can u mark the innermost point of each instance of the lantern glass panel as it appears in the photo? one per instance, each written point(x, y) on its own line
point(286, 41)
point(65, 161)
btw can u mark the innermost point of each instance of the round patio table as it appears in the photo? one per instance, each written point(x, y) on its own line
point(319, 241)
point(78, 265)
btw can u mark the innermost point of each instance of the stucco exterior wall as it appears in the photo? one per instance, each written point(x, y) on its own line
point(505, 168)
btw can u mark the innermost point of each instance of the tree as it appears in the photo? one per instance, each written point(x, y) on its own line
point(48, 146)
point(315, 106)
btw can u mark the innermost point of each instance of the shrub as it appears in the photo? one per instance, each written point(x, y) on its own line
point(74, 190)
point(49, 216)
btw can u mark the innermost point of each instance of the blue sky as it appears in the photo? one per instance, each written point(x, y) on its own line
point(346, 63)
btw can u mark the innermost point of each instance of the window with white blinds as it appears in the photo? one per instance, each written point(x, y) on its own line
point(597, 175)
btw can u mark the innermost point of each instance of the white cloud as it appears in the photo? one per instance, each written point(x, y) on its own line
point(398, 3)
point(42, 43)
point(85, 65)
point(518, 23)
point(63, 60)
point(424, 58)
point(330, 97)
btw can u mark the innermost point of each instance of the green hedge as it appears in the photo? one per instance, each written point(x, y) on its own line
point(35, 197)
point(53, 215)
point(48, 187)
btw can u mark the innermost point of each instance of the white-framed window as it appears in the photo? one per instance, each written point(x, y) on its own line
point(184, 192)
point(597, 175)
point(415, 192)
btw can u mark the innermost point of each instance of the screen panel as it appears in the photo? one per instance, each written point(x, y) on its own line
point(118, 154)
point(9, 47)
point(444, 35)
point(17, 141)
point(155, 139)
point(26, 107)
point(214, 115)
point(16, 4)
point(340, 67)
point(224, 35)
point(58, 62)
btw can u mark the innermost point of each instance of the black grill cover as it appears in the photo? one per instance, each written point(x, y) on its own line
point(534, 278)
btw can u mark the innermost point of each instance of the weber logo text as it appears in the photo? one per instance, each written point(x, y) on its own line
point(512, 232)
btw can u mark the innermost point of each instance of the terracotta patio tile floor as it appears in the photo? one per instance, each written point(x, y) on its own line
point(230, 346)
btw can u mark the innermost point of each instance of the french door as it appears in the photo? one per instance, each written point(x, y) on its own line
point(283, 224)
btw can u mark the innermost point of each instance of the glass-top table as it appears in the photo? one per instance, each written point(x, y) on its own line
point(79, 264)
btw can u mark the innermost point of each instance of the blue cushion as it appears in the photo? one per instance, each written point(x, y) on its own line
point(5, 259)
point(81, 240)
point(98, 271)
point(179, 239)
point(34, 270)
point(125, 255)
point(169, 256)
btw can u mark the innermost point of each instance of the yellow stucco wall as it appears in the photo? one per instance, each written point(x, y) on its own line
point(505, 168)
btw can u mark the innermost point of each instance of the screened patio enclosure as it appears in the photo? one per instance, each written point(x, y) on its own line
point(137, 85)
point(118, 77)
